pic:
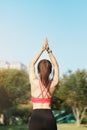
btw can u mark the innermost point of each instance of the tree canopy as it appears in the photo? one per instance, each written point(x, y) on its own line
point(14, 87)
point(73, 90)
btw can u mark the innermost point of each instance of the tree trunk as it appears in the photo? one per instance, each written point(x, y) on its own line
point(78, 122)
point(78, 115)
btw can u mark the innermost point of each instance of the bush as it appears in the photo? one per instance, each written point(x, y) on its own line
point(84, 121)
point(21, 113)
point(17, 115)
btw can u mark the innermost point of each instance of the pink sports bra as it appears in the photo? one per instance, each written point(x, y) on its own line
point(44, 93)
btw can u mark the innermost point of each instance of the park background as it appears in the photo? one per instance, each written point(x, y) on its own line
point(24, 24)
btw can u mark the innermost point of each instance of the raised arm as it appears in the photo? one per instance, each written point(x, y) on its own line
point(55, 66)
point(32, 74)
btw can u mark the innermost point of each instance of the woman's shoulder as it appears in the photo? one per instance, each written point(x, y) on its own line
point(35, 81)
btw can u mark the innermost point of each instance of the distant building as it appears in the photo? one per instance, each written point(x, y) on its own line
point(17, 65)
point(13, 65)
point(4, 65)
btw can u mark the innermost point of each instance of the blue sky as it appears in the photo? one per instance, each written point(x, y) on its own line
point(24, 24)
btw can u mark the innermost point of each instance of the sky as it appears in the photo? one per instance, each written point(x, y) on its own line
point(24, 25)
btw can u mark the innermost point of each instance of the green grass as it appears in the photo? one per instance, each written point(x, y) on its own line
point(14, 127)
point(60, 127)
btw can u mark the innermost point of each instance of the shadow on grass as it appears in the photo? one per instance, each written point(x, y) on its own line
point(14, 127)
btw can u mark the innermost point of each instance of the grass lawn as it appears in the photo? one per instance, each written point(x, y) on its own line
point(71, 127)
point(14, 127)
point(60, 127)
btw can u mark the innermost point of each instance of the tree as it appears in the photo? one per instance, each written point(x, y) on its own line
point(56, 102)
point(4, 100)
point(73, 91)
point(15, 86)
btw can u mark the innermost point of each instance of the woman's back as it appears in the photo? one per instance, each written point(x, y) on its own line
point(40, 95)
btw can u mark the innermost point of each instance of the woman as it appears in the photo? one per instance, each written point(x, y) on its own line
point(42, 90)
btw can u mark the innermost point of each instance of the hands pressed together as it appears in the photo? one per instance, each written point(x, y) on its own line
point(46, 46)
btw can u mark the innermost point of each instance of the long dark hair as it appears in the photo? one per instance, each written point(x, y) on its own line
point(44, 70)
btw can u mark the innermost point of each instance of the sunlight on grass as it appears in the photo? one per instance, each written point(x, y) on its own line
point(71, 127)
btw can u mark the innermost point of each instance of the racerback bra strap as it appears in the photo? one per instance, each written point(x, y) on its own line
point(44, 90)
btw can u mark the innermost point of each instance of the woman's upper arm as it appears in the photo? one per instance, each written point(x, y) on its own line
point(54, 81)
point(32, 74)
point(55, 76)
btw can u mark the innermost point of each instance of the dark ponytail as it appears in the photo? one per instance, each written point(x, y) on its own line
point(44, 70)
